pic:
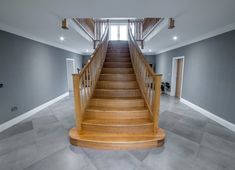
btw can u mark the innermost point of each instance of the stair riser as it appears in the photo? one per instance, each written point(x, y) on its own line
point(118, 129)
point(125, 48)
point(116, 59)
point(117, 65)
point(117, 146)
point(92, 114)
point(117, 51)
point(120, 55)
point(113, 44)
point(115, 103)
point(116, 85)
point(117, 93)
point(117, 71)
point(118, 77)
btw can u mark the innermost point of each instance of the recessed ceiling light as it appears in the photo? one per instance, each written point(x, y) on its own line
point(175, 38)
point(150, 50)
point(61, 38)
point(87, 50)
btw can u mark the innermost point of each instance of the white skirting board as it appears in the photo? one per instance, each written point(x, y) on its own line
point(26, 115)
point(210, 115)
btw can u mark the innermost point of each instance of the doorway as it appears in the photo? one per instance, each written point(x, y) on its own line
point(118, 32)
point(177, 76)
point(70, 64)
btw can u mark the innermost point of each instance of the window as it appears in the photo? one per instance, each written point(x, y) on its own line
point(123, 32)
point(114, 32)
point(118, 32)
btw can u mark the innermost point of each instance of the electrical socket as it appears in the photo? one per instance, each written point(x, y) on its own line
point(14, 108)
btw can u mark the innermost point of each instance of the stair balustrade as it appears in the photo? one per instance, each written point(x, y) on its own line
point(85, 82)
point(149, 82)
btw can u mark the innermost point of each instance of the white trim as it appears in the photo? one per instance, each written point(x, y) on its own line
point(210, 115)
point(26, 115)
point(21, 33)
point(173, 76)
point(74, 62)
point(219, 31)
point(74, 69)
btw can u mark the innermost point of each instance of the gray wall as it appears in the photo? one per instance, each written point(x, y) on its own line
point(209, 73)
point(85, 58)
point(32, 73)
point(151, 60)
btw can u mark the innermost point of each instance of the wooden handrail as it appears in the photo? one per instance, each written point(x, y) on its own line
point(85, 82)
point(152, 28)
point(84, 29)
point(140, 34)
point(149, 82)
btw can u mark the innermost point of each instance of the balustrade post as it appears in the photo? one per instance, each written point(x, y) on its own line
point(77, 101)
point(156, 101)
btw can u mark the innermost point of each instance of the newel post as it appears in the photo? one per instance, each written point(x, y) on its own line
point(156, 101)
point(77, 101)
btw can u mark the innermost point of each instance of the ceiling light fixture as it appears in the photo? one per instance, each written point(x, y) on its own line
point(171, 23)
point(175, 38)
point(64, 24)
point(61, 38)
point(150, 50)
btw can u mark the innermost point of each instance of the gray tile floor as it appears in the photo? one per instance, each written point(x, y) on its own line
point(193, 143)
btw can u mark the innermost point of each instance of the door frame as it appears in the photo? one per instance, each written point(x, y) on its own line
point(74, 69)
point(173, 76)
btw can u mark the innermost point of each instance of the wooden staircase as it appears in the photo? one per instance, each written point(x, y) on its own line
point(116, 116)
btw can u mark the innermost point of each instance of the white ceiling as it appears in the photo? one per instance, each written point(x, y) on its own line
point(40, 19)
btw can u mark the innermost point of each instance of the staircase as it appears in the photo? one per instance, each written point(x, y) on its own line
point(116, 115)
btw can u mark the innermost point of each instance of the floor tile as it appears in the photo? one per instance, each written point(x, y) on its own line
point(210, 159)
point(193, 142)
point(220, 131)
point(140, 154)
point(17, 129)
point(61, 160)
point(187, 132)
point(115, 161)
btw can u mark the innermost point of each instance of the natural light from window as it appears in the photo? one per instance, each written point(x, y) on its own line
point(114, 32)
point(123, 32)
point(118, 32)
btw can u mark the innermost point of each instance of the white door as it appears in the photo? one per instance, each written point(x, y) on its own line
point(70, 63)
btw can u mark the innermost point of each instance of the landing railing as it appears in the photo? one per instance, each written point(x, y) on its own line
point(149, 82)
point(84, 83)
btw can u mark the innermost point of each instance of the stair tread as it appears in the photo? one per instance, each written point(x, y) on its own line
point(117, 137)
point(116, 68)
point(129, 109)
point(117, 98)
point(118, 89)
point(119, 122)
point(115, 61)
point(121, 81)
point(117, 74)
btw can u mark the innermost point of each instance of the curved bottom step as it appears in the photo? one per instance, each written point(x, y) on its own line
point(117, 141)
